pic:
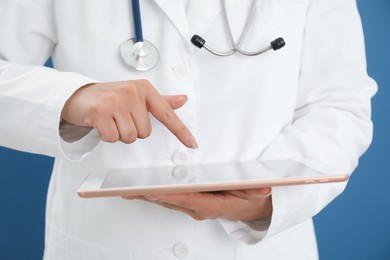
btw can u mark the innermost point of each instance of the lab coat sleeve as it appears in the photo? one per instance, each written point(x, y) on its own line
point(32, 96)
point(331, 124)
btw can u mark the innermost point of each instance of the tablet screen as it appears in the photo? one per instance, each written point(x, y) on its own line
point(198, 178)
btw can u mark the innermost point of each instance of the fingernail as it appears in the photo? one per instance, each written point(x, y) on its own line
point(132, 197)
point(151, 197)
point(268, 193)
point(191, 142)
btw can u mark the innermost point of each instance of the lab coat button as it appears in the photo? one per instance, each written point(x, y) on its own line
point(179, 158)
point(180, 173)
point(180, 250)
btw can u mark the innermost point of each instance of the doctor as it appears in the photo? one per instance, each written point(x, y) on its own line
point(310, 99)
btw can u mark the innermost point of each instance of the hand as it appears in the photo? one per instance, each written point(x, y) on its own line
point(245, 205)
point(119, 111)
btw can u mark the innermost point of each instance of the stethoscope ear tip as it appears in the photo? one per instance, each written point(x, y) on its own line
point(197, 41)
point(278, 43)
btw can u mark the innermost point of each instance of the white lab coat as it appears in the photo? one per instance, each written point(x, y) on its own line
point(310, 99)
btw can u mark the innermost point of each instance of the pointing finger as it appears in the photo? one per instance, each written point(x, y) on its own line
point(163, 112)
point(176, 101)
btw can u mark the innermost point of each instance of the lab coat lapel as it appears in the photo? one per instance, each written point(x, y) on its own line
point(202, 13)
point(177, 15)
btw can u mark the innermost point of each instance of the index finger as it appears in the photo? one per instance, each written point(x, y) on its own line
point(164, 113)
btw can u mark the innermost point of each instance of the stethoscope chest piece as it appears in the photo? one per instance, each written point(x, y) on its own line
point(141, 56)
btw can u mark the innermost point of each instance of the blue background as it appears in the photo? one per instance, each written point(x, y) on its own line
point(355, 226)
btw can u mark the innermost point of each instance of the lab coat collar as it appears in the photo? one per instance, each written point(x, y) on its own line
point(201, 12)
point(177, 15)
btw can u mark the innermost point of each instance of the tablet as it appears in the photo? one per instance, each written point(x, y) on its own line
point(205, 178)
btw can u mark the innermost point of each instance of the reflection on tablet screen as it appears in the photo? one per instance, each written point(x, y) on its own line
point(213, 173)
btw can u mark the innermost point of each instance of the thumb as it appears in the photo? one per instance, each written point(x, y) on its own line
point(176, 101)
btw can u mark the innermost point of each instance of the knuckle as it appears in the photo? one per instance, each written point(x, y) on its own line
point(108, 134)
point(95, 115)
point(128, 139)
point(146, 83)
point(110, 98)
point(147, 87)
point(168, 115)
point(131, 93)
point(131, 90)
point(144, 133)
point(133, 136)
point(110, 138)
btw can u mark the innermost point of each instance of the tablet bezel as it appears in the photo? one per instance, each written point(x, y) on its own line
point(92, 185)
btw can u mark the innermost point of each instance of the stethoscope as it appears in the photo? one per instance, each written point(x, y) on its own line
point(142, 55)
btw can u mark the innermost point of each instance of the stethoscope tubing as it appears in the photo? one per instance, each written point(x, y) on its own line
point(143, 55)
point(137, 52)
point(248, 22)
point(201, 43)
point(137, 22)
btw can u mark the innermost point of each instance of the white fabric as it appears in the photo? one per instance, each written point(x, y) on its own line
point(310, 99)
